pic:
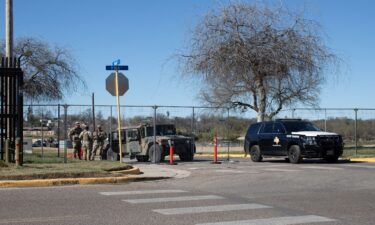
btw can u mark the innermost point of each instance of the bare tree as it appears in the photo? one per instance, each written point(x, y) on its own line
point(256, 57)
point(49, 72)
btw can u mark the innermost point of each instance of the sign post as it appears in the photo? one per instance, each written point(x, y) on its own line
point(117, 84)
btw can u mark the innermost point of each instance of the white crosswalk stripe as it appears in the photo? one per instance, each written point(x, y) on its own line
point(285, 220)
point(174, 199)
point(141, 192)
point(214, 208)
point(288, 220)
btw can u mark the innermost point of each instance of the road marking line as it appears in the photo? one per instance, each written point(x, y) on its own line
point(280, 170)
point(321, 168)
point(141, 192)
point(42, 219)
point(214, 208)
point(288, 220)
point(173, 199)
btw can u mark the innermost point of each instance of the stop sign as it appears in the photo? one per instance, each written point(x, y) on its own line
point(123, 84)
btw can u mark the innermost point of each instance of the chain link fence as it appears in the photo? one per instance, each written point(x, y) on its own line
point(46, 126)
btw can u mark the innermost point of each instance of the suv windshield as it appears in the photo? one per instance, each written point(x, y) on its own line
point(300, 126)
point(161, 130)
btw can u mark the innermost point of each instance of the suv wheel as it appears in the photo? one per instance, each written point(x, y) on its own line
point(255, 153)
point(157, 149)
point(294, 154)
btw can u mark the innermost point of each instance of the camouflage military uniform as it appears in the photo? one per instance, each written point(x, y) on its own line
point(86, 139)
point(74, 137)
point(98, 136)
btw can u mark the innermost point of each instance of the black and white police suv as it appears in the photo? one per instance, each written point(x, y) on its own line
point(292, 138)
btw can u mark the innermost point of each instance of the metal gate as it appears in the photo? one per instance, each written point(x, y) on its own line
point(11, 100)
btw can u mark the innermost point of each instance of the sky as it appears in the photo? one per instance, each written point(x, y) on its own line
point(146, 34)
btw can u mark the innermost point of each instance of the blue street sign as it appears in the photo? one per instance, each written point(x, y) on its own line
point(116, 62)
point(117, 67)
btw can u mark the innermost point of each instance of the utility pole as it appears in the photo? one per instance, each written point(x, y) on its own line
point(9, 29)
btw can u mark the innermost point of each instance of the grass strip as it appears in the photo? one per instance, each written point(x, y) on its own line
point(75, 169)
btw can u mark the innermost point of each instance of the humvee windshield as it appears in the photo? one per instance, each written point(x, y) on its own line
point(161, 130)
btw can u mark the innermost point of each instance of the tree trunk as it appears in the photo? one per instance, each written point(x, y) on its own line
point(262, 100)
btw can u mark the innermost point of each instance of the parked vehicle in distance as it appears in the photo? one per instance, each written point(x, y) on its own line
point(54, 144)
point(292, 138)
point(138, 142)
point(38, 143)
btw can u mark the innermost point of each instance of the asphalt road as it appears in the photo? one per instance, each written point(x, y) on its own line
point(240, 192)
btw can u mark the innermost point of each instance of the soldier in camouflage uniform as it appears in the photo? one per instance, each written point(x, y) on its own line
point(98, 136)
point(74, 138)
point(86, 138)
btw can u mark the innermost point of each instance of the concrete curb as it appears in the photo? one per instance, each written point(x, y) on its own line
point(80, 181)
point(368, 160)
point(73, 181)
point(134, 171)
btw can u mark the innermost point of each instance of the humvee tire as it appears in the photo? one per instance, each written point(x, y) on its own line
point(158, 151)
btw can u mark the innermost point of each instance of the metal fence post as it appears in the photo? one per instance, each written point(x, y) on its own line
point(58, 130)
point(110, 128)
point(93, 111)
point(192, 130)
point(293, 110)
point(65, 133)
point(192, 122)
point(17, 150)
point(325, 119)
point(227, 133)
point(7, 153)
point(355, 131)
point(41, 129)
point(154, 122)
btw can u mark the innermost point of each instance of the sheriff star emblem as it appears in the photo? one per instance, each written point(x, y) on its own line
point(276, 140)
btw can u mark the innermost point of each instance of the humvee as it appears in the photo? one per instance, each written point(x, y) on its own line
point(138, 142)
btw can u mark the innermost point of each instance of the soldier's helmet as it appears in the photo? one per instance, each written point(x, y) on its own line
point(99, 127)
point(78, 123)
